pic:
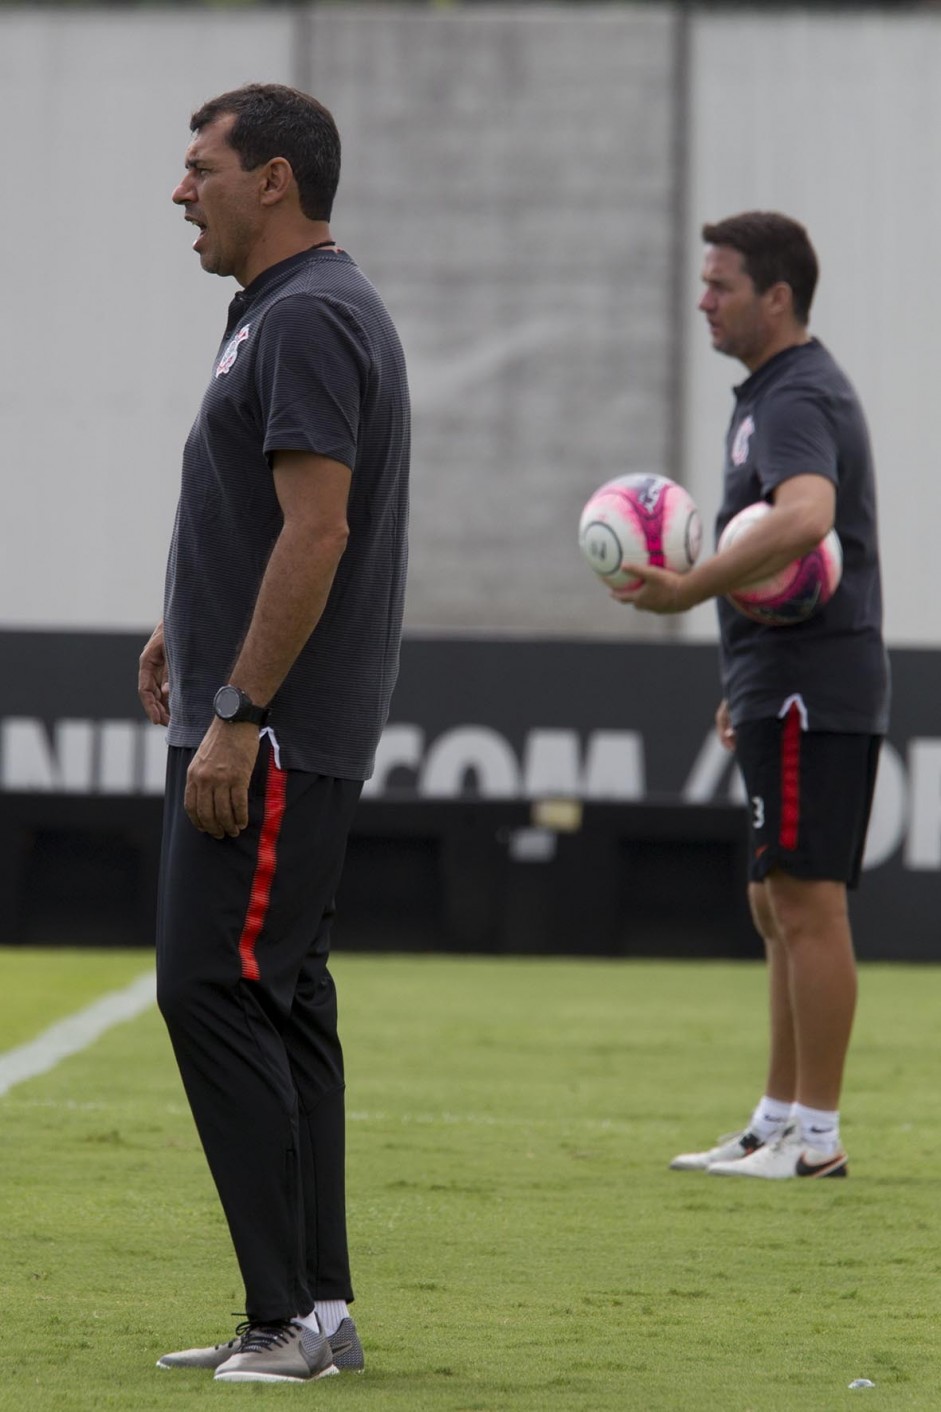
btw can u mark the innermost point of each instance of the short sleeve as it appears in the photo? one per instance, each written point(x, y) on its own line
point(311, 373)
point(795, 437)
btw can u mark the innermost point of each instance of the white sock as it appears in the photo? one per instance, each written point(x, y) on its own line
point(769, 1118)
point(326, 1315)
point(818, 1128)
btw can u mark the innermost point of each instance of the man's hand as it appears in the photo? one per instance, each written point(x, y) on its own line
point(153, 688)
point(216, 798)
point(662, 591)
point(724, 728)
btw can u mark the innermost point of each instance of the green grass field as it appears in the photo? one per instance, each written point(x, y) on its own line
point(519, 1244)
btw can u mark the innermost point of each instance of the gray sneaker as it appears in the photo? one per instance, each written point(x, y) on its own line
point(347, 1351)
point(287, 1352)
point(210, 1358)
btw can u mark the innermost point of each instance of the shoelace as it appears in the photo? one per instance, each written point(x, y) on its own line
point(240, 1331)
point(259, 1338)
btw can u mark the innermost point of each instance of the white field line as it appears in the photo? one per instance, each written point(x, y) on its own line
point(76, 1032)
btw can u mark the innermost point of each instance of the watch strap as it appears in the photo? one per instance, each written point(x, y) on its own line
point(245, 711)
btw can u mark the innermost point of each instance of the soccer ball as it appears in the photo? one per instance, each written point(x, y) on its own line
point(794, 593)
point(639, 519)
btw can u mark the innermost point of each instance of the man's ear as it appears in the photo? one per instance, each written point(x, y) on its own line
point(277, 180)
point(781, 298)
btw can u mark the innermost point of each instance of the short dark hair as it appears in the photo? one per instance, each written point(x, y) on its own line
point(773, 248)
point(272, 120)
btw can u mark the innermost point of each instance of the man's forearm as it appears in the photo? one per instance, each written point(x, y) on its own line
point(293, 594)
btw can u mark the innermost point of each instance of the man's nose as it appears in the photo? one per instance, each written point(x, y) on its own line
point(182, 192)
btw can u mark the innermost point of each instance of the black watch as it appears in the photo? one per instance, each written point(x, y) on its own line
point(231, 704)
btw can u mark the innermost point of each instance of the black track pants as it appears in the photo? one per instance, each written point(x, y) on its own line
point(243, 933)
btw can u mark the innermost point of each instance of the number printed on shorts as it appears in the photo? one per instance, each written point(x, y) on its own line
point(758, 812)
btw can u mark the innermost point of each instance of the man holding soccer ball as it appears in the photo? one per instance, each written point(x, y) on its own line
point(805, 704)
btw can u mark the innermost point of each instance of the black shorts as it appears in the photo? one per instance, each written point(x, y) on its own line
point(809, 797)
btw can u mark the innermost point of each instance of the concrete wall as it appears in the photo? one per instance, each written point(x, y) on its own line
point(510, 183)
point(109, 327)
point(509, 186)
point(836, 119)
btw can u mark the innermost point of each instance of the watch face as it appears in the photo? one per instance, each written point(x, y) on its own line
point(227, 702)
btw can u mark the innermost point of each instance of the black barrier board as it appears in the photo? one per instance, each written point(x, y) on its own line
point(477, 727)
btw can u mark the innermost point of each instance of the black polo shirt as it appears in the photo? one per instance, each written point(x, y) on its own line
point(310, 361)
point(799, 414)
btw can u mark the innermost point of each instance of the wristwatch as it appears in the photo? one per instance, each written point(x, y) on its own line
point(231, 704)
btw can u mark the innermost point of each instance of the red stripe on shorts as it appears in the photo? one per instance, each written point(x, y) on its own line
point(790, 779)
point(265, 865)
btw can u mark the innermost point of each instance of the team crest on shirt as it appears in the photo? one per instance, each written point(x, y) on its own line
point(231, 351)
point(742, 437)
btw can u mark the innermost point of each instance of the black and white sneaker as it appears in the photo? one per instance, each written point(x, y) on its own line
point(788, 1156)
point(730, 1148)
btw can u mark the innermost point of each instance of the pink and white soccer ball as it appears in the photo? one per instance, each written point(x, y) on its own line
point(639, 519)
point(794, 593)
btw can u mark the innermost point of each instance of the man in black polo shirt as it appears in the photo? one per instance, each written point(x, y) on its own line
point(273, 668)
point(805, 706)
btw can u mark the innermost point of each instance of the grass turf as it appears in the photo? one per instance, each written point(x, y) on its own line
point(518, 1242)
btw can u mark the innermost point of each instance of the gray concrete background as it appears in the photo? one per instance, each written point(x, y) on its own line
point(508, 185)
point(511, 184)
point(835, 117)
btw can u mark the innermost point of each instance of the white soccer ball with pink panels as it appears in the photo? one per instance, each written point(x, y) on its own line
point(639, 519)
point(794, 593)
